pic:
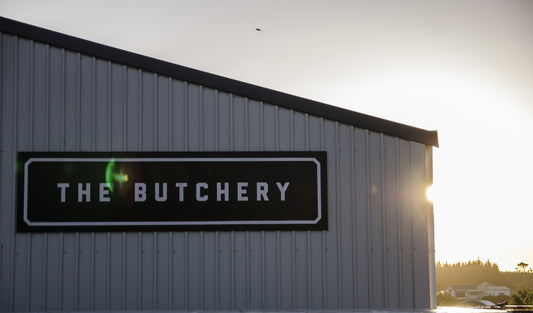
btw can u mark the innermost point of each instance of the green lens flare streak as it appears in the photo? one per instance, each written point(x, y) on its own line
point(111, 176)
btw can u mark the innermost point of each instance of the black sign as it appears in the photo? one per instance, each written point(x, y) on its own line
point(171, 191)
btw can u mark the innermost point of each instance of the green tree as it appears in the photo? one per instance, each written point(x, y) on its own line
point(523, 295)
point(522, 267)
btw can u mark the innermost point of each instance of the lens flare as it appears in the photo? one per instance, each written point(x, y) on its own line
point(430, 193)
point(111, 176)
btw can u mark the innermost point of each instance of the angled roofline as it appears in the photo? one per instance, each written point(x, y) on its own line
point(463, 287)
point(218, 82)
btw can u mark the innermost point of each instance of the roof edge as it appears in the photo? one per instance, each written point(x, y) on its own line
point(209, 80)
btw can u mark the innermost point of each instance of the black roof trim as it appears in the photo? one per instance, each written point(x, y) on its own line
point(218, 82)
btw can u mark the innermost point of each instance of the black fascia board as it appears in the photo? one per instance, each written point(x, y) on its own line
point(236, 87)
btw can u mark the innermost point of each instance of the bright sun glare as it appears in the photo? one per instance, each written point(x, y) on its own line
point(430, 193)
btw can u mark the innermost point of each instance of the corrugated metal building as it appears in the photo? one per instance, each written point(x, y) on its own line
point(60, 93)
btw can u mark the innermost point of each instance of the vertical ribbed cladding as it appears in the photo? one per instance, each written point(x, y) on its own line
point(420, 222)
point(393, 233)
point(108, 147)
point(353, 220)
point(309, 246)
point(7, 193)
point(336, 172)
point(374, 254)
point(2, 262)
point(431, 228)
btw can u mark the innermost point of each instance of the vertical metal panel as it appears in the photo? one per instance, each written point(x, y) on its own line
point(420, 226)
point(55, 99)
point(406, 226)
point(431, 231)
point(391, 213)
point(8, 111)
point(361, 212)
point(224, 122)
point(346, 217)
point(331, 282)
point(376, 220)
point(114, 271)
point(380, 225)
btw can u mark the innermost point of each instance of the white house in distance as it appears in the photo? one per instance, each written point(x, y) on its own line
point(491, 290)
point(463, 292)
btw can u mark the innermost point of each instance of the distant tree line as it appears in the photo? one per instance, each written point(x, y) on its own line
point(475, 272)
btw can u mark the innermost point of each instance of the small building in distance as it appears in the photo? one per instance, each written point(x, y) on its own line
point(463, 292)
point(491, 290)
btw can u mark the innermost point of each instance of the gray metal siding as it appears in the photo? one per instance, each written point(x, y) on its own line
point(377, 252)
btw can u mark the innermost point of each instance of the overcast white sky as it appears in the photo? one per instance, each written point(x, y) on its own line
point(464, 68)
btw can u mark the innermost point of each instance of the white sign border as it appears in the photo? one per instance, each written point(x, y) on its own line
point(176, 223)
